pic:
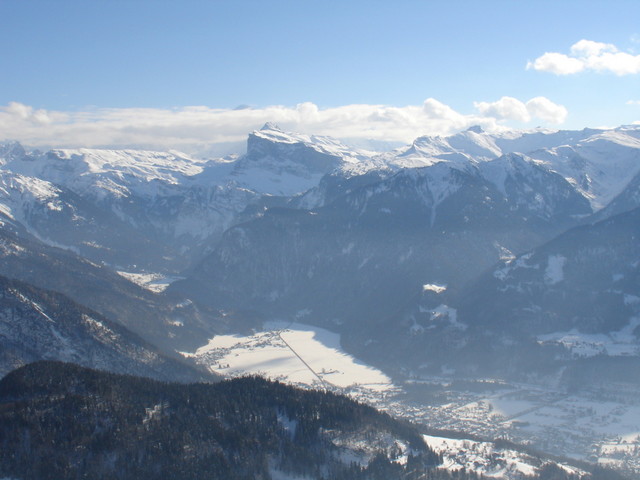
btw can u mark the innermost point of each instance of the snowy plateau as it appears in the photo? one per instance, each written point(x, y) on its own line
point(483, 283)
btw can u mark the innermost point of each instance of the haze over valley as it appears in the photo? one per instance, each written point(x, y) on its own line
point(320, 240)
point(481, 283)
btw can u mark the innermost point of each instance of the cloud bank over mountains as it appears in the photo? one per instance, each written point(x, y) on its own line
point(203, 130)
point(193, 128)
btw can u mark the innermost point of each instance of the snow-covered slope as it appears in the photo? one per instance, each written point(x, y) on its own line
point(478, 145)
point(600, 166)
point(302, 223)
point(492, 460)
point(88, 199)
point(115, 173)
point(59, 217)
point(565, 313)
point(183, 204)
point(180, 203)
point(20, 194)
point(599, 163)
point(356, 260)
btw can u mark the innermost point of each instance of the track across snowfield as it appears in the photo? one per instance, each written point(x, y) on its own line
point(291, 352)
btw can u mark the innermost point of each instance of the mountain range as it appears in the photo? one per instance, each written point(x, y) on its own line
point(399, 252)
point(510, 255)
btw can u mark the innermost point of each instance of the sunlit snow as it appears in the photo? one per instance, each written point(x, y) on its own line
point(154, 282)
point(433, 287)
point(294, 353)
point(484, 458)
point(621, 342)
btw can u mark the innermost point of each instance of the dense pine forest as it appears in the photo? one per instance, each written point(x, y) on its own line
point(63, 421)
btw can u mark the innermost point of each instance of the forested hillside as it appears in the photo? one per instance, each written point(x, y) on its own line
point(60, 420)
point(63, 421)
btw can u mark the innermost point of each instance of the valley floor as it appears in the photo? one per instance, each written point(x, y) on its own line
point(596, 426)
point(593, 426)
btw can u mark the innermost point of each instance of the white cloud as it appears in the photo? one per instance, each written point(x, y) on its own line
point(633, 102)
point(196, 128)
point(589, 48)
point(557, 63)
point(27, 114)
point(587, 55)
point(546, 110)
point(439, 111)
point(509, 108)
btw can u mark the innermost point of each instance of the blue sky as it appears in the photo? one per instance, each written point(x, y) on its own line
point(173, 71)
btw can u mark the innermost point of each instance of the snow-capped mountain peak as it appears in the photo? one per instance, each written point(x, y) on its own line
point(273, 134)
point(467, 147)
point(11, 151)
point(271, 126)
point(285, 163)
point(599, 165)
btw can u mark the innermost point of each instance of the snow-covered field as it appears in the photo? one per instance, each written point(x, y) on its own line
point(155, 282)
point(293, 353)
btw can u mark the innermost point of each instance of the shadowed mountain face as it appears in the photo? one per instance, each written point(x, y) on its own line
point(571, 302)
point(36, 324)
point(577, 293)
point(587, 279)
point(169, 322)
point(353, 264)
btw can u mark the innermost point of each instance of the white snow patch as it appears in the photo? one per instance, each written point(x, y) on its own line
point(290, 425)
point(364, 262)
point(554, 272)
point(6, 211)
point(631, 299)
point(506, 255)
point(303, 313)
point(622, 342)
point(155, 282)
point(33, 304)
point(520, 262)
point(480, 457)
point(444, 313)
point(154, 412)
point(434, 287)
